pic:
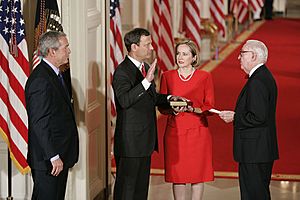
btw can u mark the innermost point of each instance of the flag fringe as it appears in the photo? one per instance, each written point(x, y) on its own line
point(17, 164)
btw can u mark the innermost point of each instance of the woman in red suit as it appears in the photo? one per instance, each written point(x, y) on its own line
point(187, 140)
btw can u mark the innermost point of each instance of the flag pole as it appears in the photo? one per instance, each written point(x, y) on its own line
point(9, 179)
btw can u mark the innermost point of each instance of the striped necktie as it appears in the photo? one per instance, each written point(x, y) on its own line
point(143, 70)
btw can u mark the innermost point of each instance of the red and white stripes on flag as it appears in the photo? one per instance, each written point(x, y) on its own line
point(191, 20)
point(47, 18)
point(162, 35)
point(36, 59)
point(116, 45)
point(14, 71)
point(256, 4)
point(217, 13)
point(239, 8)
point(233, 6)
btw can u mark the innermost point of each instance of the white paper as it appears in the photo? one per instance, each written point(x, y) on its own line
point(214, 111)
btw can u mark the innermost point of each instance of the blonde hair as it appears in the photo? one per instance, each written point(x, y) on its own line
point(193, 49)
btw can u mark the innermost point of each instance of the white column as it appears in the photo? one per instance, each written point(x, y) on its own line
point(204, 10)
point(279, 6)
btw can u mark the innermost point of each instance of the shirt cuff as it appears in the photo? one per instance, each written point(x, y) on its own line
point(54, 158)
point(146, 84)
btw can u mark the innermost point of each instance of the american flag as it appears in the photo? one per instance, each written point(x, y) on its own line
point(191, 20)
point(217, 12)
point(162, 35)
point(14, 72)
point(256, 4)
point(47, 18)
point(116, 45)
point(239, 8)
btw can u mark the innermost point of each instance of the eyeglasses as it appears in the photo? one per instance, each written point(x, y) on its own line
point(242, 52)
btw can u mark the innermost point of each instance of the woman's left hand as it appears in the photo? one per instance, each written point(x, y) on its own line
point(178, 109)
point(189, 109)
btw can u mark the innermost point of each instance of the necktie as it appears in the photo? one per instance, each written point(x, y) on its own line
point(61, 79)
point(143, 70)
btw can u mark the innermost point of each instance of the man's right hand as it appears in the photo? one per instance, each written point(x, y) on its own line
point(57, 167)
point(151, 71)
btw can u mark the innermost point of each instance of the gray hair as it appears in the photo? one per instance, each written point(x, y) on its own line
point(259, 48)
point(49, 40)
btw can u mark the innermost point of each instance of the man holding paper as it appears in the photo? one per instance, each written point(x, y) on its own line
point(255, 143)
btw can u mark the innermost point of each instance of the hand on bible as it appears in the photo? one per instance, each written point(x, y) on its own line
point(178, 98)
point(179, 104)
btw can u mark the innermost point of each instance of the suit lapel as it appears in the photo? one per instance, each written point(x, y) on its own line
point(133, 71)
point(242, 93)
point(56, 82)
point(137, 77)
point(257, 71)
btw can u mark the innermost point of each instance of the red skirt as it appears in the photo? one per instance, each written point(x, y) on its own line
point(188, 155)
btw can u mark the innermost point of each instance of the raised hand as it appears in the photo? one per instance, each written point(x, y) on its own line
point(150, 73)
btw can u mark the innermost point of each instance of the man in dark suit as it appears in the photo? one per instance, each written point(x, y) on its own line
point(53, 137)
point(135, 135)
point(268, 9)
point(255, 140)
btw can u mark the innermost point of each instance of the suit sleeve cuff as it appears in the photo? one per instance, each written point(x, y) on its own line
point(146, 84)
point(54, 158)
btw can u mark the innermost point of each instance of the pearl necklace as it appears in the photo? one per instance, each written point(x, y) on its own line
point(188, 77)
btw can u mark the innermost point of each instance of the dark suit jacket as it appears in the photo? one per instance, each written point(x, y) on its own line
point(52, 126)
point(254, 121)
point(135, 134)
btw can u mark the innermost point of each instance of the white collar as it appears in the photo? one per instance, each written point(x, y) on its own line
point(254, 68)
point(55, 69)
point(137, 63)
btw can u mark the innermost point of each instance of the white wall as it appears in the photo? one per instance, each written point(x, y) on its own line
point(279, 6)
